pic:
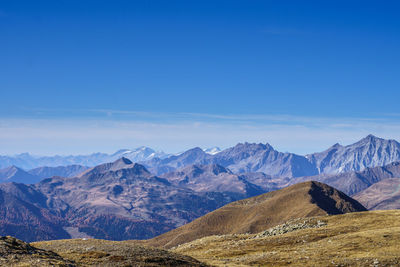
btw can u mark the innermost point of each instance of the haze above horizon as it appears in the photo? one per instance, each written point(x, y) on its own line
point(85, 76)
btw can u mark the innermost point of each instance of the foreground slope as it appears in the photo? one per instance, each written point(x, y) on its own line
point(14, 252)
point(354, 239)
point(258, 213)
point(384, 195)
point(95, 252)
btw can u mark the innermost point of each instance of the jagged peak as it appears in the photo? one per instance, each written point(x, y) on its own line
point(370, 139)
point(336, 145)
point(254, 146)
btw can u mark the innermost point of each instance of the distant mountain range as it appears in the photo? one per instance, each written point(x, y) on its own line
point(123, 199)
point(27, 161)
point(371, 151)
point(18, 175)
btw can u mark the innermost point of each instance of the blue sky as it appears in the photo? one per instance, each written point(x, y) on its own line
point(84, 76)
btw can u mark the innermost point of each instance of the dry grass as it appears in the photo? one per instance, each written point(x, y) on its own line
point(97, 252)
point(353, 239)
point(258, 213)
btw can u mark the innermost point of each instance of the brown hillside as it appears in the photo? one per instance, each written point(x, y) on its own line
point(258, 213)
point(355, 239)
point(384, 195)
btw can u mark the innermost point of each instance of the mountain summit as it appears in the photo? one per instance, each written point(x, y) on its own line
point(15, 174)
point(370, 151)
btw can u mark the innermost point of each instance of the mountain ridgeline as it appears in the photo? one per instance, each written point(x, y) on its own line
point(371, 151)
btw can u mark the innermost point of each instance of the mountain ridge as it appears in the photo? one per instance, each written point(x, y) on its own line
point(370, 151)
point(258, 213)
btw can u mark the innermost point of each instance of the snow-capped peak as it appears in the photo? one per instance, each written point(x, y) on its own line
point(212, 150)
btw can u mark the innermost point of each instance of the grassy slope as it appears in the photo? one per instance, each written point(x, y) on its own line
point(258, 213)
point(97, 252)
point(354, 239)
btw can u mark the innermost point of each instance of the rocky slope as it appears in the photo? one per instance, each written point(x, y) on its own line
point(384, 195)
point(258, 213)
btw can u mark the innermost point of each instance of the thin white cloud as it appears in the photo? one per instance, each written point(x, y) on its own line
point(174, 132)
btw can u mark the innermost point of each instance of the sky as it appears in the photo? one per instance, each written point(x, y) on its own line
point(85, 76)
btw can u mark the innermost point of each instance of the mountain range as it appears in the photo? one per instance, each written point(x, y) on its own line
point(16, 174)
point(124, 199)
point(370, 151)
point(118, 200)
point(27, 161)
